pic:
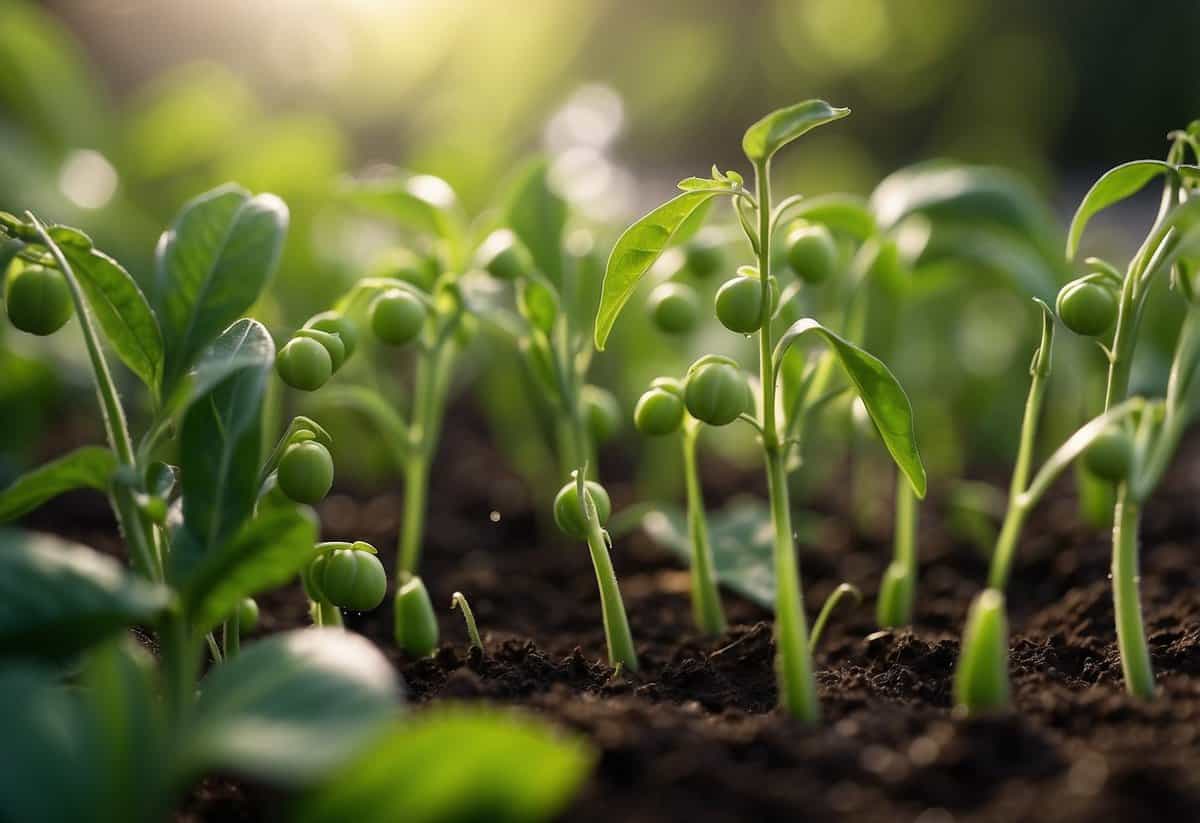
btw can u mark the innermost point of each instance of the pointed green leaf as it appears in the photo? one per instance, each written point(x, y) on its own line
point(1113, 186)
point(538, 216)
point(211, 266)
point(418, 202)
point(782, 126)
point(58, 598)
point(407, 775)
point(289, 708)
point(129, 325)
point(90, 467)
point(881, 393)
point(635, 252)
point(266, 553)
point(221, 438)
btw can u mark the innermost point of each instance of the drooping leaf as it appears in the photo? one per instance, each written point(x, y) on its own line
point(881, 393)
point(635, 252)
point(841, 212)
point(1113, 186)
point(267, 552)
point(58, 598)
point(220, 439)
point(211, 266)
point(375, 407)
point(966, 249)
point(421, 203)
point(90, 467)
point(960, 194)
point(124, 314)
point(537, 214)
point(408, 775)
point(289, 708)
point(782, 126)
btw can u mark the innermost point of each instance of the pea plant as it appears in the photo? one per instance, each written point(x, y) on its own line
point(1133, 454)
point(717, 392)
point(206, 519)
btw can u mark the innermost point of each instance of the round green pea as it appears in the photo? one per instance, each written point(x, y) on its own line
point(397, 317)
point(305, 472)
point(1110, 455)
point(503, 256)
point(568, 512)
point(674, 308)
point(353, 579)
point(336, 323)
point(1086, 308)
point(304, 364)
point(703, 258)
point(37, 299)
point(739, 304)
point(658, 412)
point(716, 393)
point(601, 411)
point(812, 253)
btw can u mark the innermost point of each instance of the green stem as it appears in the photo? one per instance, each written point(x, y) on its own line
point(231, 635)
point(412, 523)
point(897, 592)
point(839, 594)
point(1131, 633)
point(706, 599)
point(180, 662)
point(130, 519)
point(793, 660)
point(459, 600)
point(616, 623)
point(325, 613)
point(1006, 545)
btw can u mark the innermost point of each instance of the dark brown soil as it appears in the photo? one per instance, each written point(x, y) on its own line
point(694, 735)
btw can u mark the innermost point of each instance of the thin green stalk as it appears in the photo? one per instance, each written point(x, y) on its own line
point(325, 613)
point(897, 591)
point(232, 635)
point(459, 600)
point(180, 656)
point(1131, 633)
point(412, 522)
point(839, 594)
point(706, 599)
point(616, 623)
point(793, 663)
point(130, 519)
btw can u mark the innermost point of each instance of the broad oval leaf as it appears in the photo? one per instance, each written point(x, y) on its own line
point(1113, 186)
point(407, 774)
point(129, 325)
point(782, 126)
point(221, 438)
point(267, 552)
point(289, 708)
point(635, 252)
point(957, 193)
point(90, 467)
point(58, 598)
point(211, 266)
point(881, 393)
point(841, 212)
point(537, 214)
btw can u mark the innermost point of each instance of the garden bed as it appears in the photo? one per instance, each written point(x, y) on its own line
point(695, 736)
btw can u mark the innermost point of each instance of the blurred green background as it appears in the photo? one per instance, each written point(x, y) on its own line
point(114, 112)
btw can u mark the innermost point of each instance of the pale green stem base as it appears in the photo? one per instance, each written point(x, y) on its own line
point(897, 591)
point(706, 599)
point(616, 623)
point(1127, 604)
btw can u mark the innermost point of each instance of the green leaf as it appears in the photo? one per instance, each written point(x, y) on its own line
point(966, 249)
point(211, 266)
point(947, 192)
point(635, 252)
point(124, 734)
point(128, 323)
point(375, 407)
point(538, 216)
point(58, 598)
point(421, 203)
point(1113, 186)
point(90, 467)
point(221, 438)
point(268, 551)
point(782, 126)
point(841, 212)
point(43, 771)
point(289, 708)
point(881, 393)
point(456, 765)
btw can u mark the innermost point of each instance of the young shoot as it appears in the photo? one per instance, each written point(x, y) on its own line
point(716, 391)
point(581, 509)
point(458, 600)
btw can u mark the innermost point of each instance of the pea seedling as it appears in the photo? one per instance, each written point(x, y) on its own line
point(717, 392)
point(203, 536)
point(1133, 455)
